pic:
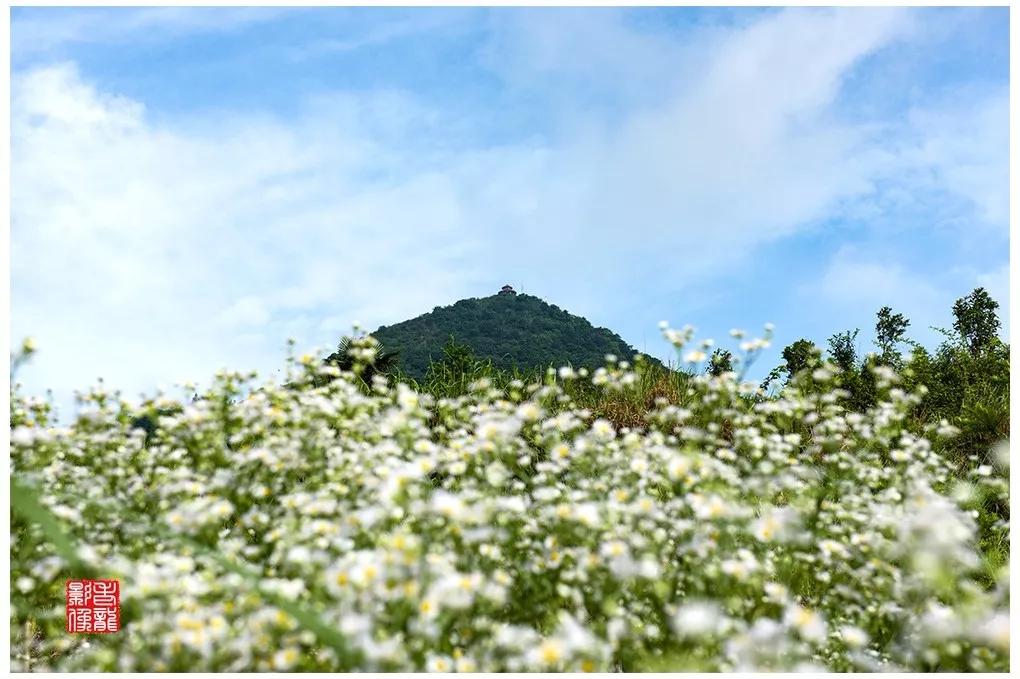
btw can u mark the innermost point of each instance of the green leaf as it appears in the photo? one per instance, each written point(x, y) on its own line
point(25, 502)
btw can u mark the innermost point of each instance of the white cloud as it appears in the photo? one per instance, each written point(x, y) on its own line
point(857, 281)
point(140, 252)
point(395, 25)
point(245, 311)
point(967, 147)
point(742, 151)
point(529, 49)
point(147, 252)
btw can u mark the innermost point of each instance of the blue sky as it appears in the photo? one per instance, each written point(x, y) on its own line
point(190, 187)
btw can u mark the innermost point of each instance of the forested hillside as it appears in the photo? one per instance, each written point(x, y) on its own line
point(512, 330)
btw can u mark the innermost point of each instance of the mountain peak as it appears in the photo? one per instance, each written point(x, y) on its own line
point(511, 329)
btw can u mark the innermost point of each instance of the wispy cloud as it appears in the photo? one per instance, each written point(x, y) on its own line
point(396, 27)
point(133, 242)
point(741, 152)
point(148, 248)
point(858, 281)
point(967, 148)
point(49, 29)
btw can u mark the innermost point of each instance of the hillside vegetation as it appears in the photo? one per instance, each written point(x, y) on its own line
point(514, 331)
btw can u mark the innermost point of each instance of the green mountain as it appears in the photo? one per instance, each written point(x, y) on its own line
point(511, 329)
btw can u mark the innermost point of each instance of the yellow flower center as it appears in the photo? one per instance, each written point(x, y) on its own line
point(550, 653)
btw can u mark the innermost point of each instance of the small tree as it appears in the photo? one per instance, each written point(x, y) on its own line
point(458, 359)
point(856, 375)
point(843, 349)
point(796, 356)
point(976, 320)
point(800, 355)
point(889, 331)
point(384, 363)
point(720, 362)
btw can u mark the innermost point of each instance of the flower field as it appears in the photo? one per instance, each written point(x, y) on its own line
point(324, 525)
